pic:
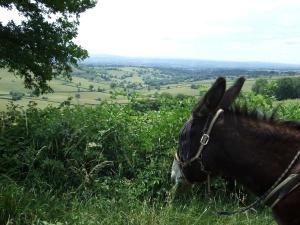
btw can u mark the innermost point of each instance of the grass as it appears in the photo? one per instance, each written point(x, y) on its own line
point(63, 89)
point(20, 206)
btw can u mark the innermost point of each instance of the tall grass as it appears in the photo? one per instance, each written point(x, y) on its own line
point(20, 206)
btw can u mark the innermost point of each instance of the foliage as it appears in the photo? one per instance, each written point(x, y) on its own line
point(74, 164)
point(284, 88)
point(194, 86)
point(256, 101)
point(264, 87)
point(91, 87)
point(113, 85)
point(72, 146)
point(290, 110)
point(41, 46)
point(77, 95)
point(288, 88)
point(16, 95)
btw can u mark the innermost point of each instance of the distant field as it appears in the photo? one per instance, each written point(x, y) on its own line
point(95, 85)
point(63, 89)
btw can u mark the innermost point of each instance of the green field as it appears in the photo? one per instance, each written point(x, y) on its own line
point(127, 79)
point(63, 89)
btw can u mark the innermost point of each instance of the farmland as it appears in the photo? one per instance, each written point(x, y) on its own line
point(92, 84)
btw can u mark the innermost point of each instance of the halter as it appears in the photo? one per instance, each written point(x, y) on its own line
point(203, 142)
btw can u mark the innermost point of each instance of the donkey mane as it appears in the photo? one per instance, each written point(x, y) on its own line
point(243, 110)
point(237, 111)
point(256, 114)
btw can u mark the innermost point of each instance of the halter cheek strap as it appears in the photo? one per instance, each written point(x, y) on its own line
point(203, 141)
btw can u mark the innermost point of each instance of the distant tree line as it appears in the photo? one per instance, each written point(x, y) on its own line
point(284, 88)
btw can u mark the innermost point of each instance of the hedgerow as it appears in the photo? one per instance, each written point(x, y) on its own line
point(114, 151)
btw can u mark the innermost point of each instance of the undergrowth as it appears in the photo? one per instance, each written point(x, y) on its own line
point(108, 164)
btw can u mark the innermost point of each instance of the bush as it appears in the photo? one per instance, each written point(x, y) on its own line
point(288, 88)
point(91, 87)
point(194, 86)
point(16, 95)
point(75, 147)
point(100, 89)
point(113, 85)
point(77, 95)
point(260, 86)
point(284, 88)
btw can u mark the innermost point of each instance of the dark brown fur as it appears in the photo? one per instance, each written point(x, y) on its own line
point(244, 145)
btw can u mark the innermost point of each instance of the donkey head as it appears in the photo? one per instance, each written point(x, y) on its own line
point(190, 135)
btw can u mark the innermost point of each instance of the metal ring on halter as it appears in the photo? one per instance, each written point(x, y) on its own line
point(203, 141)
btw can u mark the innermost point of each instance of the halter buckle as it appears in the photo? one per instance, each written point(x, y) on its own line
point(204, 139)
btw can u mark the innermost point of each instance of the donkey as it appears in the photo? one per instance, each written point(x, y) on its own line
point(260, 152)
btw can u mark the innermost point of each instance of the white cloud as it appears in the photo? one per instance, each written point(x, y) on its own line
point(214, 29)
point(206, 29)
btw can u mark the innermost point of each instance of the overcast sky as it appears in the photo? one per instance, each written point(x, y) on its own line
point(241, 30)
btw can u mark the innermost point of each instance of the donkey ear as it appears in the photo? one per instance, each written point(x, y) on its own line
point(232, 93)
point(210, 101)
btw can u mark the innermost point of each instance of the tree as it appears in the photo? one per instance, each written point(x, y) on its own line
point(287, 88)
point(77, 95)
point(260, 86)
point(41, 47)
point(16, 95)
point(273, 88)
point(113, 85)
point(91, 87)
point(194, 86)
point(100, 89)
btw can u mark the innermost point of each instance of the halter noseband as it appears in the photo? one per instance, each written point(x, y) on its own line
point(203, 141)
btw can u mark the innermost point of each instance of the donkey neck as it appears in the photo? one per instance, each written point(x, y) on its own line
point(254, 151)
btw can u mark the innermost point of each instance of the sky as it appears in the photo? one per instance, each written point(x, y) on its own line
point(238, 30)
point(230, 30)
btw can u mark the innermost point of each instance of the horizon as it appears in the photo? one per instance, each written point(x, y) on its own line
point(91, 56)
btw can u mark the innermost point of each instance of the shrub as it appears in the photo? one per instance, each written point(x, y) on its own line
point(194, 86)
point(16, 95)
point(91, 87)
point(288, 88)
point(113, 85)
point(76, 146)
point(100, 89)
point(77, 95)
point(284, 88)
